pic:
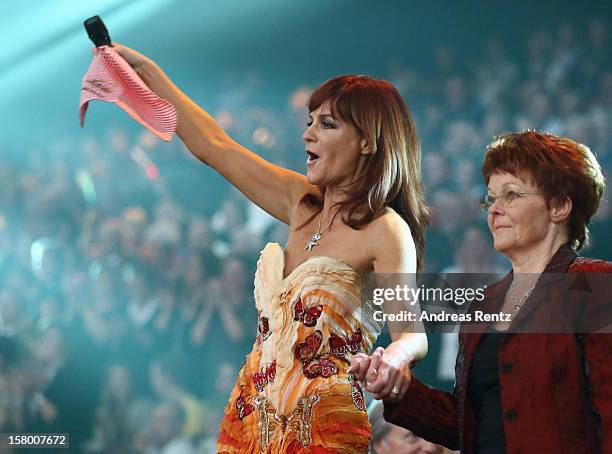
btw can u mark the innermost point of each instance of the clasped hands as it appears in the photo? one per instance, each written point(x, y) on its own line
point(385, 374)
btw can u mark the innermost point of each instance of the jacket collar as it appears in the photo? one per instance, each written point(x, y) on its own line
point(554, 270)
point(561, 261)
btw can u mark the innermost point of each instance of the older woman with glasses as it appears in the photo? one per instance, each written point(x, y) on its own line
point(519, 391)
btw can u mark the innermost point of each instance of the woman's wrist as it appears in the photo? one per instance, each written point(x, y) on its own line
point(413, 346)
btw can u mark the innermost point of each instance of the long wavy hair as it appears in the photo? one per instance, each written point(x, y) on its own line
point(392, 174)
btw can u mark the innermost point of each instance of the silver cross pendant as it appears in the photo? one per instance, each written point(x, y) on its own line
point(313, 242)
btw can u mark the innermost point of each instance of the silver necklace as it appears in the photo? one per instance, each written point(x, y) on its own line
point(517, 302)
point(314, 240)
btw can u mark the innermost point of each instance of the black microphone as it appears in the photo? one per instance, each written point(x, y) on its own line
point(97, 31)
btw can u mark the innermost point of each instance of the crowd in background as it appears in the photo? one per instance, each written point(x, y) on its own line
point(126, 267)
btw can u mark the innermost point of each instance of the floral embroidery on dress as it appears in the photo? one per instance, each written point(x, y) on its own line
point(244, 409)
point(314, 365)
point(265, 376)
point(308, 316)
point(263, 329)
point(299, 421)
point(340, 346)
point(357, 393)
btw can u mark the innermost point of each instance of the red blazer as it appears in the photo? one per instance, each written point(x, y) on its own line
point(556, 389)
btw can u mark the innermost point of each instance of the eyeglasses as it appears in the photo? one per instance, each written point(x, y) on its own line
point(506, 199)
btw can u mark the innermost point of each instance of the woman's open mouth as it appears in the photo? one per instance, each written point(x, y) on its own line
point(312, 157)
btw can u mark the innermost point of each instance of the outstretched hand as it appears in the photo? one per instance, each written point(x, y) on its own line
point(133, 58)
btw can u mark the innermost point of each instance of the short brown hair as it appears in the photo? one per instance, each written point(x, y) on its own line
point(559, 167)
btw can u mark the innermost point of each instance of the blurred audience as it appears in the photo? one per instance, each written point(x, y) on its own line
point(126, 276)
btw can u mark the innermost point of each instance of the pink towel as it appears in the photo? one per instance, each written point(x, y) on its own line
point(110, 78)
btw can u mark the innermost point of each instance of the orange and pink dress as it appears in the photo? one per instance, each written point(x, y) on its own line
point(294, 393)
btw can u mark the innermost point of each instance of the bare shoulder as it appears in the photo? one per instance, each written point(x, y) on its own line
point(392, 247)
point(390, 226)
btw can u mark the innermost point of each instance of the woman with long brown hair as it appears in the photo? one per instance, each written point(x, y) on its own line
point(359, 209)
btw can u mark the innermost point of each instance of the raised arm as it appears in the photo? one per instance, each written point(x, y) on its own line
point(273, 188)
